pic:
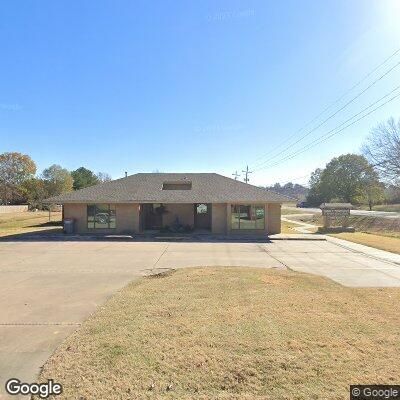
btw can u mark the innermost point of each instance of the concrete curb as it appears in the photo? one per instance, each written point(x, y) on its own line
point(294, 236)
point(366, 250)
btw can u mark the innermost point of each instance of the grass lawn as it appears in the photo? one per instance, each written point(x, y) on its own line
point(288, 227)
point(384, 207)
point(286, 211)
point(376, 225)
point(232, 333)
point(27, 222)
point(379, 241)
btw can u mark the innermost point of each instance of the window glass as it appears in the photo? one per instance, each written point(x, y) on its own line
point(90, 216)
point(235, 209)
point(101, 216)
point(157, 207)
point(260, 217)
point(201, 209)
point(247, 219)
point(247, 216)
point(112, 216)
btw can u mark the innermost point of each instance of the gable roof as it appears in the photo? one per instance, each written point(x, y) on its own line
point(148, 188)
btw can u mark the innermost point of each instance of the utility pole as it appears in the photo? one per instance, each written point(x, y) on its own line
point(236, 175)
point(247, 172)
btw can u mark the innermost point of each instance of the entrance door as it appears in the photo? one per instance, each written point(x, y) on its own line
point(202, 216)
point(152, 216)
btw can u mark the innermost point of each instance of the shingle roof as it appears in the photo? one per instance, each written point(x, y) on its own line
point(147, 187)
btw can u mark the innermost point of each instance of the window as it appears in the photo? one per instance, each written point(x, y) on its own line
point(157, 208)
point(247, 216)
point(201, 208)
point(101, 216)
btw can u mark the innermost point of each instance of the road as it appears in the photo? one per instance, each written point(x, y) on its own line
point(364, 213)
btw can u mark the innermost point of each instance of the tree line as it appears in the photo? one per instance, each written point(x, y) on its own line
point(19, 183)
point(372, 177)
point(294, 190)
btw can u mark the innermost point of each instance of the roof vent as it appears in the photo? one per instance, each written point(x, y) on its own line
point(177, 185)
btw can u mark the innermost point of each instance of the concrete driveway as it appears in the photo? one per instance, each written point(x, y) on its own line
point(48, 288)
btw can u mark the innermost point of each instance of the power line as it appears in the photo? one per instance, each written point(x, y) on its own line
point(330, 116)
point(293, 179)
point(332, 132)
point(329, 106)
point(332, 104)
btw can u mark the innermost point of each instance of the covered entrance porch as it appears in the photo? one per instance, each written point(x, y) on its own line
point(175, 217)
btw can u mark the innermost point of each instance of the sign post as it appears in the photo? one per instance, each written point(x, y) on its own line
point(336, 217)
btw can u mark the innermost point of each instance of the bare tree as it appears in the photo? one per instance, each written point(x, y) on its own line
point(382, 149)
point(103, 177)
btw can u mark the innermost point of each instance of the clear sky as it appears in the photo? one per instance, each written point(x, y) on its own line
point(189, 86)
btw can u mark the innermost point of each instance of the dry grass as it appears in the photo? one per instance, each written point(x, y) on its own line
point(388, 243)
point(384, 207)
point(376, 225)
point(290, 211)
point(232, 333)
point(28, 222)
point(288, 227)
point(381, 233)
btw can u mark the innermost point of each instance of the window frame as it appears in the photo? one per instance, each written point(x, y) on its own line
point(253, 211)
point(112, 218)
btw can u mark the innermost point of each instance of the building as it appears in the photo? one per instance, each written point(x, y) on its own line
point(177, 202)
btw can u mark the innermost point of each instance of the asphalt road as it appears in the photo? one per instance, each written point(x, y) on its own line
point(365, 213)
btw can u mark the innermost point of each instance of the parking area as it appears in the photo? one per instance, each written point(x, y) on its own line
point(48, 288)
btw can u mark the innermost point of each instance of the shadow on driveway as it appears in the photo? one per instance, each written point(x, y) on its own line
point(56, 235)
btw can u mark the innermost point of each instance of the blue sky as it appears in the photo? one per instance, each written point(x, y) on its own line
point(189, 86)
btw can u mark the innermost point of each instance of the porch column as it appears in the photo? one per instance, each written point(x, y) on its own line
point(228, 218)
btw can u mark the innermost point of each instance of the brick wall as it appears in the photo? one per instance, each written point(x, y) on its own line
point(274, 218)
point(127, 218)
point(218, 218)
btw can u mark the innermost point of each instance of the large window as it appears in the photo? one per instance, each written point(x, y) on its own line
point(101, 216)
point(247, 216)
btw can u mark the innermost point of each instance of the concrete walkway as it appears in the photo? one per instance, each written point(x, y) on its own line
point(47, 289)
point(302, 227)
point(306, 229)
point(366, 250)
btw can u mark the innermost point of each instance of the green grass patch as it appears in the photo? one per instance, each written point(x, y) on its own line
point(29, 222)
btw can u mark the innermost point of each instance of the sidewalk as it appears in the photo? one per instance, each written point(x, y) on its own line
point(303, 226)
point(372, 252)
point(367, 250)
